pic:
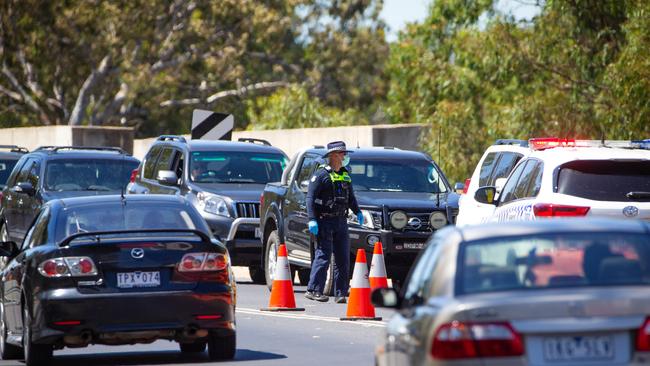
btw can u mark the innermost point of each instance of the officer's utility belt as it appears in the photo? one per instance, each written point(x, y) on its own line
point(332, 215)
point(331, 203)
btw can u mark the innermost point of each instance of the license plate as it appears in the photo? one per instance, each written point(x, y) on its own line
point(578, 348)
point(413, 245)
point(138, 279)
point(258, 232)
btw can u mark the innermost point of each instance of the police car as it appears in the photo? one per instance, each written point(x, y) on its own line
point(492, 170)
point(565, 177)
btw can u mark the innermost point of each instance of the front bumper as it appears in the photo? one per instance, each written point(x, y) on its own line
point(241, 236)
point(114, 318)
point(400, 248)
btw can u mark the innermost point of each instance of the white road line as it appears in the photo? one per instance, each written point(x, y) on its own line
point(379, 324)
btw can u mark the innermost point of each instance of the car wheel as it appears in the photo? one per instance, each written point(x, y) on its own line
point(257, 274)
point(303, 276)
point(35, 354)
point(271, 257)
point(7, 351)
point(222, 347)
point(195, 347)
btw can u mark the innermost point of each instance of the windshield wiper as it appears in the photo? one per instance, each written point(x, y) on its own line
point(638, 194)
point(98, 188)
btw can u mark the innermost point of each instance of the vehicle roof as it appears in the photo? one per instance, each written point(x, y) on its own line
point(560, 155)
point(222, 145)
point(551, 226)
point(8, 155)
point(116, 198)
point(81, 154)
point(12, 151)
point(376, 152)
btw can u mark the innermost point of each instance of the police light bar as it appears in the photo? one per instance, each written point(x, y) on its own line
point(550, 142)
point(553, 142)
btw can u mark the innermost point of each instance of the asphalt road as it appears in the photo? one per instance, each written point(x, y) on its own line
point(315, 336)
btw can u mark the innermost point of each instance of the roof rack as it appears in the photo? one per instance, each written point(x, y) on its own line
point(171, 138)
point(254, 141)
point(54, 149)
point(14, 148)
point(522, 143)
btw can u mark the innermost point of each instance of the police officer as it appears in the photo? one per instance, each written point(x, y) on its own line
point(329, 197)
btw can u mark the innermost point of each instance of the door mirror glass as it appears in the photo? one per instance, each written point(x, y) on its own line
point(8, 249)
point(486, 195)
point(167, 177)
point(385, 298)
point(24, 187)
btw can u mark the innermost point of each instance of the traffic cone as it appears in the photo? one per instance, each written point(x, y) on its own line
point(282, 298)
point(377, 268)
point(359, 306)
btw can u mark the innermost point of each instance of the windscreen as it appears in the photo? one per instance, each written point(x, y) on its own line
point(88, 174)
point(606, 180)
point(6, 166)
point(396, 176)
point(131, 216)
point(538, 262)
point(236, 167)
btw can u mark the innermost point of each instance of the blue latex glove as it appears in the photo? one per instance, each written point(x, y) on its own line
point(313, 227)
point(360, 218)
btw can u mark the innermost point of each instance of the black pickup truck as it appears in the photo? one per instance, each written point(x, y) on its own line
point(403, 195)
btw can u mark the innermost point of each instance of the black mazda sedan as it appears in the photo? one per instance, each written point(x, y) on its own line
point(116, 270)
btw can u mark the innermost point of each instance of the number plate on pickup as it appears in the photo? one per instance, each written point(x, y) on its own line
point(579, 348)
point(413, 245)
point(138, 279)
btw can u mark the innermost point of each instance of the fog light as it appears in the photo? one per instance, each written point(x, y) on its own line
point(372, 240)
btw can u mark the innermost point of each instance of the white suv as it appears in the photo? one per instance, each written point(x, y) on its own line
point(495, 165)
point(561, 178)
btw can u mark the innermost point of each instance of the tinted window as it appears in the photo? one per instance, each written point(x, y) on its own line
point(164, 161)
point(309, 163)
point(14, 173)
point(505, 165)
point(150, 162)
point(549, 261)
point(536, 180)
point(508, 190)
point(486, 169)
point(236, 167)
point(396, 176)
point(420, 276)
point(143, 215)
point(605, 180)
point(39, 235)
point(521, 189)
point(6, 166)
point(23, 175)
point(88, 175)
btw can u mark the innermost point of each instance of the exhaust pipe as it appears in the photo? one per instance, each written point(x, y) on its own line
point(78, 340)
point(194, 332)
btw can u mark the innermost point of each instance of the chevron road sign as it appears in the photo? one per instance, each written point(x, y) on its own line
point(208, 125)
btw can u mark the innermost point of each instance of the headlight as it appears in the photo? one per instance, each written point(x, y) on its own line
point(398, 219)
point(367, 219)
point(213, 204)
point(437, 220)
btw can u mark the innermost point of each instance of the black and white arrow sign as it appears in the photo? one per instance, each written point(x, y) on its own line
point(208, 125)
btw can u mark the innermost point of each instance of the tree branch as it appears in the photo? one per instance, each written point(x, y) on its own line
point(78, 112)
point(238, 92)
point(11, 94)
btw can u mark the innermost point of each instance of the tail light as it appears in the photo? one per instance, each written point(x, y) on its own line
point(200, 262)
point(458, 340)
point(467, 182)
point(552, 210)
point(134, 174)
point(643, 337)
point(68, 267)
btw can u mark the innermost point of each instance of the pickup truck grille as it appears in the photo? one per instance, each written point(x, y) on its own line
point(248, 209)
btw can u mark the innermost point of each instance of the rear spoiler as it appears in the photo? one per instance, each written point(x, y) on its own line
point(97, 234)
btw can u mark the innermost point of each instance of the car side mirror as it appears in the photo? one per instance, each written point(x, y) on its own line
point(486, 195)
point(167, 177)
point(25, 187)
point(8, 249)
point(304, 185)
point(386, 298)
point(459, 187)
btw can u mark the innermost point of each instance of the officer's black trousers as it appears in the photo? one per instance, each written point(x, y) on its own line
point(332, 237)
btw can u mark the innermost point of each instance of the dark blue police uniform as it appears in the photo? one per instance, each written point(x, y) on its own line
point(329, 197)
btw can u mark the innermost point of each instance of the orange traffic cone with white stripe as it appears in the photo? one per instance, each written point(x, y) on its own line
point(282, 297)
point(359, 305)
point(378, 268)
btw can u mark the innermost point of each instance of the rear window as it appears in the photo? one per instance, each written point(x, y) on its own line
point(131, 216)
point(6, 166)
point(605, 180)
point(88, 174)
point(553, 261)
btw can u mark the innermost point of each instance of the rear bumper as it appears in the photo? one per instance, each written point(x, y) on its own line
point(156, 315)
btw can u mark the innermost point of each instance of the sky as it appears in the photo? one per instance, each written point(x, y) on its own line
point(396, 13)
